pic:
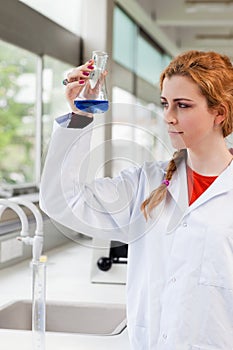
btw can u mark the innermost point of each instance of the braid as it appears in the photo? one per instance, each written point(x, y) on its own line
point(158, 194)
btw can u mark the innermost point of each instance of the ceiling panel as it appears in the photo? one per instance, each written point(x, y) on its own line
point(194, 24)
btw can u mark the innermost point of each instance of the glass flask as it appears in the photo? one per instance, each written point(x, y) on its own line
point(93, 97)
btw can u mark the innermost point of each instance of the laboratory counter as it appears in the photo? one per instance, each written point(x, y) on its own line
point(68, 280)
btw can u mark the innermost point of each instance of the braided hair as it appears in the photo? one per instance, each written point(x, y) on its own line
point(158, 194)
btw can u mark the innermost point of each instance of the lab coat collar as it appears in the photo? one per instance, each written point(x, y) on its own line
point(179, 189)
point(222, 184)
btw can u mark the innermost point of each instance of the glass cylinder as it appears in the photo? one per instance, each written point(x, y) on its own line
point(38, 304)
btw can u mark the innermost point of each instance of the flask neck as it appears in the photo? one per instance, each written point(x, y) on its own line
point(100, 60)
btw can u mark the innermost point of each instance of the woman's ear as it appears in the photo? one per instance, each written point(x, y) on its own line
point(220, 115)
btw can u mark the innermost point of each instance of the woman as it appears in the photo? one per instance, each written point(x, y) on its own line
point(176, 216)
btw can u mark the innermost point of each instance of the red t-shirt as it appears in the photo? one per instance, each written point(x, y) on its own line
point(197, 184)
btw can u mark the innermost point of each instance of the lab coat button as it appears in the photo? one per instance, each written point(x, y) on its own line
point(164, 336)
point(173, 280)
point(184, 224)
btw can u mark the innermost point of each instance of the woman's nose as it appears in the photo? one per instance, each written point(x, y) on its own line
point(169, 117)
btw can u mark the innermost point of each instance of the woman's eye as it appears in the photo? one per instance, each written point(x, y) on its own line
point(164, 104)
point(183, 105)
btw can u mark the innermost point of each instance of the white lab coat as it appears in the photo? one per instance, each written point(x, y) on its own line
point(180, 262)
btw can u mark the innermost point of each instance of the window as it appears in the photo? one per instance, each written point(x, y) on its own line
point(124, 35)
point(53, 98)
point(17, 114)
point(166, 60)
point(149, 61)
point(19, 100)
point(138, 132)
point(32, 71)
point(134, 50)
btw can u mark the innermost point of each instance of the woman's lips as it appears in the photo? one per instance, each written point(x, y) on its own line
point(175, 132)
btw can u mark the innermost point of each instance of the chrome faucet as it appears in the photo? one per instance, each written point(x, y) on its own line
point(38, 265)
point(37, 241)
point(6, 203)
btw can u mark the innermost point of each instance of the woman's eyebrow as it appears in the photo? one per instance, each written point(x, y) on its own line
point(177, 99)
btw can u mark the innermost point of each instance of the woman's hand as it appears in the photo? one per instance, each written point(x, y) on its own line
point(76, 80)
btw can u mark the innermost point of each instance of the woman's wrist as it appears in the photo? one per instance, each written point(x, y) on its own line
point(79, 112)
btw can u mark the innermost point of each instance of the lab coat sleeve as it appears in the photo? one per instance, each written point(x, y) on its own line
point(102, 208)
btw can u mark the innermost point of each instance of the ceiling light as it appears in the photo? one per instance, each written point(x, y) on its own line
point(216, 36)
point(214, 6)
point(221, 2)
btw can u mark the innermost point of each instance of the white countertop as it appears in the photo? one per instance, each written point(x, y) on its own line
point(22, 340)
point(68, 279)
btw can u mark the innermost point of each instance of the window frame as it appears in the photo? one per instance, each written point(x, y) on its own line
point(24, 34)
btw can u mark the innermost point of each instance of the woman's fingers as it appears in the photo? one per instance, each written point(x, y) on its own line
point(72, 91)
point(81, 72)
point(74, 88)
point(76, 80)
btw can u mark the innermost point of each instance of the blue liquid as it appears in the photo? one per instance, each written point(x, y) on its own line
point(92, 106)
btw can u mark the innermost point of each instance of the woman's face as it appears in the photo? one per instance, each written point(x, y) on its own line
point(191, 124)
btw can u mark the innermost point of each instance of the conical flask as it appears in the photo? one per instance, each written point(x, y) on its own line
point(93, 97)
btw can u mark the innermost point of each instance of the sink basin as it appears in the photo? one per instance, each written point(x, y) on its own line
point(83, 318)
